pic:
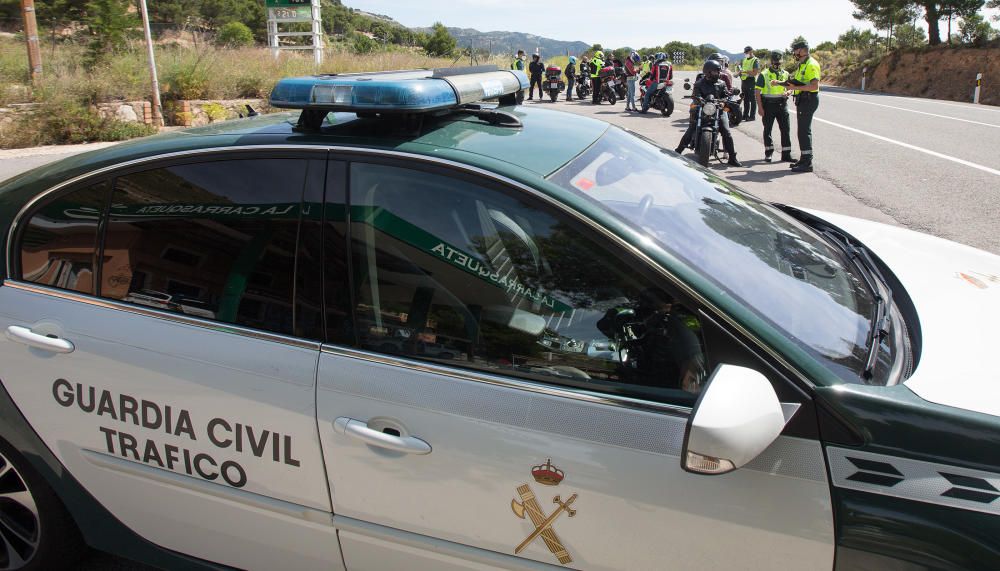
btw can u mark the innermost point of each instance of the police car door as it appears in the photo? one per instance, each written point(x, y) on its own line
point(158, 351)
point(519, 394)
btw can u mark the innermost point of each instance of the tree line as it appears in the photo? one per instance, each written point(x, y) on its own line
point(897, 19)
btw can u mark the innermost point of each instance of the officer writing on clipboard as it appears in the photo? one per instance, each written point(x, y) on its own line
point(805, 85)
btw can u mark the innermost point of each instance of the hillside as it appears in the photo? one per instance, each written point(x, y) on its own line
point(937, 73)
point(510, 42)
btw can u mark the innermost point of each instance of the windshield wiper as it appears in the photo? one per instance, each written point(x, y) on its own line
point(881, 294)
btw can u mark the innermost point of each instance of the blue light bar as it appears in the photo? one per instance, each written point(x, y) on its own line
point(396, 92)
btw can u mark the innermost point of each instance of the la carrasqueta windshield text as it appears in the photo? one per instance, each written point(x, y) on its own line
point(152, 416)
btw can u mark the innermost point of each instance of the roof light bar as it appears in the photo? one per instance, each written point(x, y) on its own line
point(397, 92)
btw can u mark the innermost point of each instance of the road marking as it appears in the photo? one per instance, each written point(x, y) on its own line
point(914, 111)
point(969, 106)
point(913, 147)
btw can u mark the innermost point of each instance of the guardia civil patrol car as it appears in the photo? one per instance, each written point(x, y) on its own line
point(416, 326)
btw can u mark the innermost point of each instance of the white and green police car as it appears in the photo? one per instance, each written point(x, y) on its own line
point(408, 329)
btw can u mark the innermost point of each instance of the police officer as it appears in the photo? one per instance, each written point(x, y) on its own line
point(570, 77)
point(595, 76)
point(518, 64)
point(805, 83)
point(748, 75)
point(711, 84)
point(772, 102)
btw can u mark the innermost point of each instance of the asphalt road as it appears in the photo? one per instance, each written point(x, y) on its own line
point(928, 165)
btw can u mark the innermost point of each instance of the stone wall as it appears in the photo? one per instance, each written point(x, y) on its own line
point(180, 113)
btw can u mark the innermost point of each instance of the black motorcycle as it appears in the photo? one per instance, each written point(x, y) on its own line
point(583, 82)
point(621, 88)
point(662, 98)
point(708, 117)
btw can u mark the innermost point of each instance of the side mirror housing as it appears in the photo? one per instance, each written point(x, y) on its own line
point(737, 416)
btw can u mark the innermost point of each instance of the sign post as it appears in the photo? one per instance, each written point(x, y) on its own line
point(295, 12)
point(31, 37)
point(864, 74)
point(979, 83)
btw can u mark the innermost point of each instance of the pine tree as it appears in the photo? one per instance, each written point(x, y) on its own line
point(440, 42)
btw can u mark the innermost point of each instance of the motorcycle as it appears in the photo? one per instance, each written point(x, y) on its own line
point(662, 98)
point(621, 89)
point(609, 84)
point(583, 83)
point(708, 113)
point(554, 83)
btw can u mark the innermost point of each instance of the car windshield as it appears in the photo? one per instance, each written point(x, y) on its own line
point(776, 266)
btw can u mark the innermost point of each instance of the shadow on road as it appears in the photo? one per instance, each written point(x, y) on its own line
point(779, 170)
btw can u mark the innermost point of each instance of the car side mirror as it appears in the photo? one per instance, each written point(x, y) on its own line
point(736, 417)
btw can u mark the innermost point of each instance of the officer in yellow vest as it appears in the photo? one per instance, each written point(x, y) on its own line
point(749, 69)
point(772, 103)
point(805, 83)
point(518, 64)
point(595, 79)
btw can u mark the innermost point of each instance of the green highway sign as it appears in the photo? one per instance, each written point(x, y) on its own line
point(283, 3)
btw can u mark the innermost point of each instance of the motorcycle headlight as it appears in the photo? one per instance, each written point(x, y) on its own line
point(709, 109)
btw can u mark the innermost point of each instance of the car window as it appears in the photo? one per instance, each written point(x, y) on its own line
point(58, 246)
point(452, 271)
point(215, 240)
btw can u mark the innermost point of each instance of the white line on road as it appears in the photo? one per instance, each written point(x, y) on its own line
point(913, 147)
point(969, 106)
point(914, 111)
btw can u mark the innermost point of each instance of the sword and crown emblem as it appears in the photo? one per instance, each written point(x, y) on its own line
point(547, 475)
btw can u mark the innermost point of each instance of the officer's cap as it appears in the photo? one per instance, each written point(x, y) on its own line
point(800, 45)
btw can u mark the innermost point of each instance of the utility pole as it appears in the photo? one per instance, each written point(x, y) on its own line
point(157, 108)
point(31, 36)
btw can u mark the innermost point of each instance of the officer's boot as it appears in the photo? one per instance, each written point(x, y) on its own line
point(733, 161)
point(767, 156)
point(804, 165)
point(786, 157)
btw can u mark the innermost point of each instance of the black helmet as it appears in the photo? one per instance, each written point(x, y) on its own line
point(747, 49)
point(712, 70)
point(715, 56)
point(776, 57)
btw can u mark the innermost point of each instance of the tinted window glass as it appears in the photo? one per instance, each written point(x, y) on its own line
point(59, 243)
point(215, 240)
point(454, 272)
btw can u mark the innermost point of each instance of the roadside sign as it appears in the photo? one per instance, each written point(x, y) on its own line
point(291, 12)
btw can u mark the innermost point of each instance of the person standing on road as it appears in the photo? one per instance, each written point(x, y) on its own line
point(749, 69)
point(570, 77)
point(805, 82)
point(518, 65)
point(595, 77)
point(772, 104)
point(632, 69)
point(535, 69)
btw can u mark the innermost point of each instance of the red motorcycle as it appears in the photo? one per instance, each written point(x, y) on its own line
point(609, 84)
point(554, 83)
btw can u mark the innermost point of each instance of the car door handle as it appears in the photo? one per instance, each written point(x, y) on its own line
point(359, 429)
point(30, 338)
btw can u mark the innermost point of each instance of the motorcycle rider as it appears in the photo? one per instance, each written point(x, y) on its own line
point(772, 105)
point(536, 68)
point(749, 70)
point(632, 69)
point(660, 71)
point(726, 75)
point(712, 85)
point(570, 77)
point(595, 78)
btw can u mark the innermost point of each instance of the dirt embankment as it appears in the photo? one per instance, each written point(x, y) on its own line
point(938, 73)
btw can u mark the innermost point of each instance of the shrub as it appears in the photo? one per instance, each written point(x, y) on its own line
point(187, 81)
point(215, 112)
point(363, 44)
point(234, 35)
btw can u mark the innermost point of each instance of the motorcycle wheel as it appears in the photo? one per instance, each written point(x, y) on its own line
point(668, 108)
point(553, 94)
point(704, 147)
point(611, 97)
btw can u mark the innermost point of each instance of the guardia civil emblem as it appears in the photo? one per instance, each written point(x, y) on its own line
point(547, 475)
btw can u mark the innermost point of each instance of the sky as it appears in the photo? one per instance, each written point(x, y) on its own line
point(729, 24)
